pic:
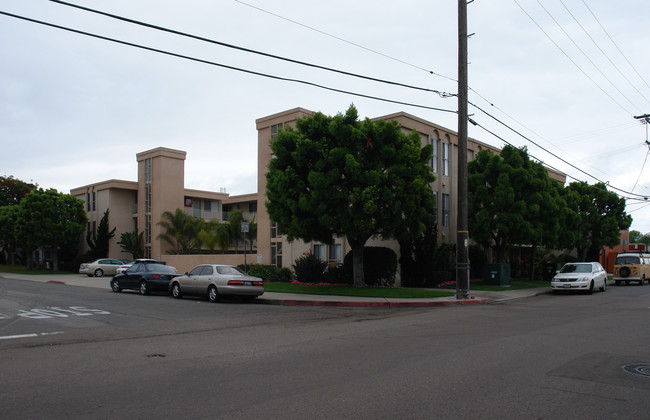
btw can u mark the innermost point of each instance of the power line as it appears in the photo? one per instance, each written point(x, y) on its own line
point(585, 54)
point(346, 41)
point(616, 45)
point(547, 151)
point(603, 52)
point(248, 50)
point(571, 59)
point(239, 69)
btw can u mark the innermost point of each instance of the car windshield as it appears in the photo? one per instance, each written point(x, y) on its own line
point(226, 269)
point(160, 268)
point(627, 260)
point(576, 268)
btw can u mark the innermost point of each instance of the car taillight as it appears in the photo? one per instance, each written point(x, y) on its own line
point(156, 276)
point(244, 283)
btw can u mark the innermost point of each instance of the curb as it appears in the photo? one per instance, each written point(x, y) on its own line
point(373, 304)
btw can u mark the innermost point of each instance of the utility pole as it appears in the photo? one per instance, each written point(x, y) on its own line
point(462, 235)
point(645, 119)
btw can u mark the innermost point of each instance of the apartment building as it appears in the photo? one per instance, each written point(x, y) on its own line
point(160, 187)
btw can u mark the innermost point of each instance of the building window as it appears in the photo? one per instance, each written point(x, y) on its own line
point(147, 202)
point(436, 196)
point(335, 253)
point(434, 160)
point(276, 254)
point(319, 251)
point(147, 251)
point(252, 207)
point(87, 201)
point(94, 231)
point(274, 130)
point(445, 209)
point(274, 229)
point(445, 159)
point(207, 206)
point(197, 208)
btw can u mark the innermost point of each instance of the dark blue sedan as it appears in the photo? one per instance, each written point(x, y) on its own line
point(144, 277)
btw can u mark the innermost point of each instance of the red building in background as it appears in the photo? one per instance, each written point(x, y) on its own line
point(608, 256)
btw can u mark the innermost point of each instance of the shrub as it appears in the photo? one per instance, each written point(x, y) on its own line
point(334, 274)
point(269, 272)
point(379, 266)
point(309, 268)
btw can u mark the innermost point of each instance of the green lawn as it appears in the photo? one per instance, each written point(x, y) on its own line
point(21, 269)
point(386, 292)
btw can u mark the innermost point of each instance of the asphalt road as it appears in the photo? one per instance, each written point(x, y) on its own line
point(75, 352)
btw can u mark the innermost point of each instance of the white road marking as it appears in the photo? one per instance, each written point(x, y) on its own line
point(13, 337)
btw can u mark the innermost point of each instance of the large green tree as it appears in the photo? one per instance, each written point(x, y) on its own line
point(514, 201)
point(339, 176)
point(601, 217)
point(48, 218)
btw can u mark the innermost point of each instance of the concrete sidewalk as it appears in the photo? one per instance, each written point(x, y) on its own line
point(294, 299)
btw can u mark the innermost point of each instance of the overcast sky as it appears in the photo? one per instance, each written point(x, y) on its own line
point(568, 74)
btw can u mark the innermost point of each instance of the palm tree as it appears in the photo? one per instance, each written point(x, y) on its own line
point(132, 242)
point(181, 231)
point(215, 234)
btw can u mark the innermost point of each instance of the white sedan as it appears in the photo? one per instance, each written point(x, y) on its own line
point(214, 280)
point(582, 276)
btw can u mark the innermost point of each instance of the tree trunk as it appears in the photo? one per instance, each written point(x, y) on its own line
point(55, 258)
point(357, 263)
point(534, 262)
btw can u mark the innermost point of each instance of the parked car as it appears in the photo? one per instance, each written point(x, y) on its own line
point(214, 280)
point(100, 267)
point(582, 276)
point(145, 277)
point(121, 269)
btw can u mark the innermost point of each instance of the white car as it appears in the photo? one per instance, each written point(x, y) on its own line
point(100, 267)
point(580, 276)
point(214, 280)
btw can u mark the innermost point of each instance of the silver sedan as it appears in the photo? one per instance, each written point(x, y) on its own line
point(215, 280)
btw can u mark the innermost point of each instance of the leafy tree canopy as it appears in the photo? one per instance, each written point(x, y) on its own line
point(48, 218)
point(334, 176)
point(601, 217)
point(13, 190)
point(133, 243)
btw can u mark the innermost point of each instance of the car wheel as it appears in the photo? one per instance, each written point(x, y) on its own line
point(99, 272)
point(604, 287)
point(591, 288)
point(213, 295)
point(115, 286)
point(144, 290)
point(176, 291)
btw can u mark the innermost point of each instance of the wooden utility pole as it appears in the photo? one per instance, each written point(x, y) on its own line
point(462, 236)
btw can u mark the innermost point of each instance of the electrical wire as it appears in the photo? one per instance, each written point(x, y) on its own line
point(603, 52)
point(248, 50)
point(616, 45)
point(346, 41)
point(586, 56)
point(572, 60)
point(546, 150)
point(239, 69)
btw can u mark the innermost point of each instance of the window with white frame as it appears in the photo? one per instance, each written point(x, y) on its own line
point(319, 251)
point(445, 209)
point(335, 253)
point(445, 159)
point(434, 159)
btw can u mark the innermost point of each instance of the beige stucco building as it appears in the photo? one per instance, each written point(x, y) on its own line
point(160, 187)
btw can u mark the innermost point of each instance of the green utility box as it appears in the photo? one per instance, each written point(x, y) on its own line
point(497, 274)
